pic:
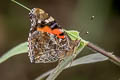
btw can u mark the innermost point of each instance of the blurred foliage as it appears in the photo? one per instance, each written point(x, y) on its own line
point(71, 14)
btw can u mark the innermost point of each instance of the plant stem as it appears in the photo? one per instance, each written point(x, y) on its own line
point(21, 5)
point(110, 55)
point(61, 66)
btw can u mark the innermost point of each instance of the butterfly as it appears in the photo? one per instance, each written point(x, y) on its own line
point(47, 41)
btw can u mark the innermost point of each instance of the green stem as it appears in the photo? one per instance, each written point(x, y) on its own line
point(21, 5)
point(61, 66)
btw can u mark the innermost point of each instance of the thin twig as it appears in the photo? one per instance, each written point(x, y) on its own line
point(21, 5)
point(110, 55)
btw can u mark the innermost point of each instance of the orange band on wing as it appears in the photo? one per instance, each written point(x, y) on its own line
point(45, 29)
point(57, 32)
point(49, 30)
point(61, 36)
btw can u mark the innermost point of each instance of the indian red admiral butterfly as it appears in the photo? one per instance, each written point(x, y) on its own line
point(47, 41)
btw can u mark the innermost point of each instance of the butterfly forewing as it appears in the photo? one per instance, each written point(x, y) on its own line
point(47, 41)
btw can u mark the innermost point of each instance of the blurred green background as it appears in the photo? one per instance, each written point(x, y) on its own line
point(104, 31)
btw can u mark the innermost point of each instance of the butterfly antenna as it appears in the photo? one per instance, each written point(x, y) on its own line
point(21, 5)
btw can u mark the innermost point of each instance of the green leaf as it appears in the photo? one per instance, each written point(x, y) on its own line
point(19, 49)
point(91, 58)
point(73, 34)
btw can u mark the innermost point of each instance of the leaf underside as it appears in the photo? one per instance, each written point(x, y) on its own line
point(19, 49)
